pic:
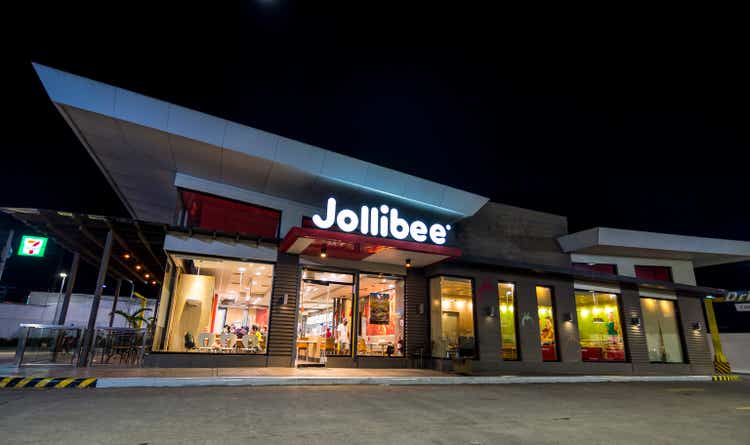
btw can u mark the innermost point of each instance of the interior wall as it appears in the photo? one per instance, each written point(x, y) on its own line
point(192, 305)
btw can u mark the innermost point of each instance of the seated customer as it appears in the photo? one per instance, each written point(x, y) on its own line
point(254, 339)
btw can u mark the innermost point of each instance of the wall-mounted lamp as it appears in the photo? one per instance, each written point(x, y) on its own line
point(420, 309)
point(567, 316)
point(323, 251)
point(635, 321)
point(697, 325)
point(492, 311)
point(408, 262)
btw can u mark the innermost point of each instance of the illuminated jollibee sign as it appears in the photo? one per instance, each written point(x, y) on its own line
point(380, 221)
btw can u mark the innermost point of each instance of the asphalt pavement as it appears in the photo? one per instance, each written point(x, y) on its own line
point(606, 413)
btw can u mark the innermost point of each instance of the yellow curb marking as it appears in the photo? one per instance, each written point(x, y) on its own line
point(23, 382)
point(42, 383)
point(64, 383)
point(5, 381)
point(87, 382)
point(743, 408)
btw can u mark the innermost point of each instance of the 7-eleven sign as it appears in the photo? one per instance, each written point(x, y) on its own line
point(32, 246)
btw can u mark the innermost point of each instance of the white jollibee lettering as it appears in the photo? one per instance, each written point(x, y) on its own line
point(378, 221)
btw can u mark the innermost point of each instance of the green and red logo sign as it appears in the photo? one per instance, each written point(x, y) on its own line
point(32, 246)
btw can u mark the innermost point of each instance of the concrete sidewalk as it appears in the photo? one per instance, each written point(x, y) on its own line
point(186, 377)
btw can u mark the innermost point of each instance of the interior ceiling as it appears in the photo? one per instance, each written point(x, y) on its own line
point(254, 281)
point(455, 287)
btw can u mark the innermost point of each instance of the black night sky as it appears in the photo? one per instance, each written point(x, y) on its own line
point(632, 119)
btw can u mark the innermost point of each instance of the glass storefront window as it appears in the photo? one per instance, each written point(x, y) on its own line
point(381, 316)
point(219, 306)
point(599, 327)
point(547, 334)
point(507, 312)
point(662, 330)
point(452, 317)
point(324, 321)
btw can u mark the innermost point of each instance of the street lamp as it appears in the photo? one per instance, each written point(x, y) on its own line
point(62, 275)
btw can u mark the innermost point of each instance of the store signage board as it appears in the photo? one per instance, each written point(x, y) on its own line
point(744, 307)
point(380, 221)
point(32, 246)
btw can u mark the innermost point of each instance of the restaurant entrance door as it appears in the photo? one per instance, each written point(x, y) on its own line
point(324, 319)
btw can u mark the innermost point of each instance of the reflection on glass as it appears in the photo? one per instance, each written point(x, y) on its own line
point(381, 316)
point(506, 293)
point(452, 317)
point(599, 327)
point(546, 312)
point(662, 330)
point(324, 321)
point(219, 306)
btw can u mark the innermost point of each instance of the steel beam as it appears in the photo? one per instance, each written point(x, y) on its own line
point(90, 335)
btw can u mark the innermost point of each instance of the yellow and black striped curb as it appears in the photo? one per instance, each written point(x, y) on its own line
point(727, 378)
point(47, 382)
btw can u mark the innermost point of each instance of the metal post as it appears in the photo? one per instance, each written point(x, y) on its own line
point(90, 335)
point(114, 302)
point(6, 252)
point(69, 290)
point(721, 364)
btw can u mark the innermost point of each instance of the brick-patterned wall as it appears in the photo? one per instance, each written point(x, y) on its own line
point(416, 325)
point(282, 323)
point(696, 342)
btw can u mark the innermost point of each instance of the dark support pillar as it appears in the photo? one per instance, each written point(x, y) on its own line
point(88, 339)
point(69, 288)
point(114, 303)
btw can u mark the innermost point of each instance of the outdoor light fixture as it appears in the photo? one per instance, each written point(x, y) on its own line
point(697, 325)
point(126, 256)
point(63, 275)
point(420, 309)
point(492, 311)
point(323, 251)
point(154, 282)
point(137, 267)
point(408, 262)
point(148, 275)
point(635, 321)
point(567, 316)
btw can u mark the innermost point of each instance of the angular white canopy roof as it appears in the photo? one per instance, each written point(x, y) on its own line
point(618, 242)
point(141, 143)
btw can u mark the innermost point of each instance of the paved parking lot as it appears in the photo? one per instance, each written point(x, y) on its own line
point(607, 413)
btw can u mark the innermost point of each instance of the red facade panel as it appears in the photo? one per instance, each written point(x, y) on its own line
point(214, 213)
point(658, 273)
point(601, 268)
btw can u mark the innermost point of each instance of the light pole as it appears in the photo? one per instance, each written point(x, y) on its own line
point(64, 276)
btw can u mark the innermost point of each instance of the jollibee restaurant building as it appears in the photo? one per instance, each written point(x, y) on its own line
point(319, 259)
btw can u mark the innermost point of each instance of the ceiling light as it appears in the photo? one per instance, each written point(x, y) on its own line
point(138, 267)
point(242, 269)
point(126, 256)
point(148, 275)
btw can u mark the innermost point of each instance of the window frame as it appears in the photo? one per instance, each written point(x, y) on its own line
point(623, 328)
point(358, 320)
point(680, 332)
point(474, 311)
point(173, 289)
point(555, 322)
point(515, 322)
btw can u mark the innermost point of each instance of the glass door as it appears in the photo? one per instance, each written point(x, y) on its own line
point(324, 319)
